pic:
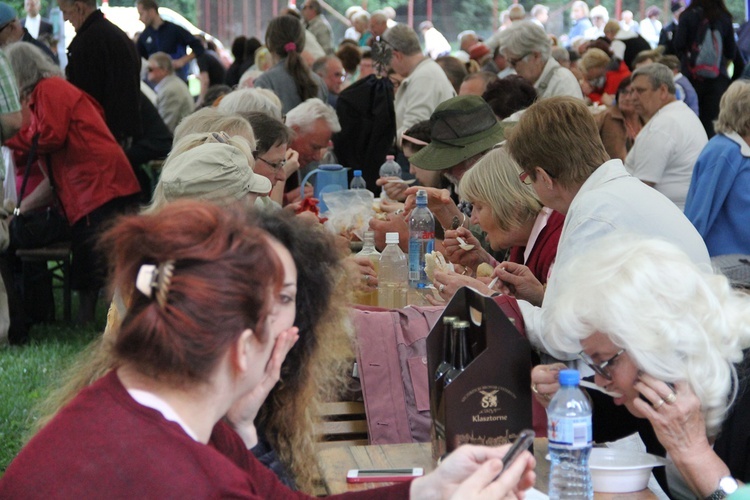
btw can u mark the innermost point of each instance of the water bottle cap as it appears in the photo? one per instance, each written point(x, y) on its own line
point(357, 173)
point(390, 158)
point(391, 238)
point(569, 377)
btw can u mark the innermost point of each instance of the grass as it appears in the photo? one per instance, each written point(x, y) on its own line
point(28, 372)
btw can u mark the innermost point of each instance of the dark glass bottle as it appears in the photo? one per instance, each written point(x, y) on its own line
point(462, 356)
point(446, 357)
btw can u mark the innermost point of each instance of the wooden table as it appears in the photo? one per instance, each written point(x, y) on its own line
point(335, 463)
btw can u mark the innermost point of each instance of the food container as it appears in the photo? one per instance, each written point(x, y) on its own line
point(615, 470)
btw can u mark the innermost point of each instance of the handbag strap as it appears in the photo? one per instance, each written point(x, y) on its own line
point(29, 163)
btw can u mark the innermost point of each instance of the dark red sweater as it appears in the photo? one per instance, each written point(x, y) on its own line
point(545, 248)
point(106, 445)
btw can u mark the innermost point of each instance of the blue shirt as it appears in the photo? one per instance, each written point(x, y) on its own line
point(172, 39)
point(718, 201)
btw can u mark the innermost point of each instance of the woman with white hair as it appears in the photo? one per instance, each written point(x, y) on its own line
point(717, 202)
point(671, 340)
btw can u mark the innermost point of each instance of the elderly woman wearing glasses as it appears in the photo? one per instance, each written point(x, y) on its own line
point(672, 342)
point(510, 213)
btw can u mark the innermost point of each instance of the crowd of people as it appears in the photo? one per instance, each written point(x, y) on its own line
point(595, 172)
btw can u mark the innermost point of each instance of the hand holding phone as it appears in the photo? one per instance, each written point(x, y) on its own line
point(521, 444)
point(383, 475)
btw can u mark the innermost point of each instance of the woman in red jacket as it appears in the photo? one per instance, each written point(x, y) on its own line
point(90, 174)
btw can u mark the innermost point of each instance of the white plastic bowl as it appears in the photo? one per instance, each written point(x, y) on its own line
point(621, 471)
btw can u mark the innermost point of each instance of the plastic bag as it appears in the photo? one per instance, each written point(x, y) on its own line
point(349, 212)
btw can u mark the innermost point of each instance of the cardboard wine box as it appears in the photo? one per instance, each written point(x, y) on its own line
point(489, 402)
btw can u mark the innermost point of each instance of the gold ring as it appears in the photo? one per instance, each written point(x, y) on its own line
point(533, 388)
point(671, 398)
point(659, 404)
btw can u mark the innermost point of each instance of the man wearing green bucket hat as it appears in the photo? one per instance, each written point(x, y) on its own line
point(462, 130)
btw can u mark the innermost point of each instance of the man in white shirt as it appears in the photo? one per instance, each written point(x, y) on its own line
point(33, 22)
point(424, 84)
point(557, 144)
point(527, 48)
point(669, 144)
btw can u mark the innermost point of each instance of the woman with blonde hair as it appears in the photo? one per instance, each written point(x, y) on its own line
point(508, 210)
point(602, 75)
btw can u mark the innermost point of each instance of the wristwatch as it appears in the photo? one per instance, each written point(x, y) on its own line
point(727, 486)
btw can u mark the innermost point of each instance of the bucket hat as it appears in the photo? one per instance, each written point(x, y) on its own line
point(7, 14)
point(214, 172)
point(460, 128)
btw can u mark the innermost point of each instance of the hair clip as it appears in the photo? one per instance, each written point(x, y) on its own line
point(221, 137)
point(151, 277)
point(290, 47)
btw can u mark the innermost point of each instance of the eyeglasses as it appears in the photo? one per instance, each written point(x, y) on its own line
point(275, 166)
point(151, 69)
point(602, 369)
point(515, 60)
point(525, 178)
point(306, 7)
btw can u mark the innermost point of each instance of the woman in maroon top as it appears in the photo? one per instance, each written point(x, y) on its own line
point(511, 215)
point(212, 303)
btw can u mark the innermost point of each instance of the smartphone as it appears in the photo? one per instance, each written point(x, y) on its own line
point(521, 444)
point(383, 475)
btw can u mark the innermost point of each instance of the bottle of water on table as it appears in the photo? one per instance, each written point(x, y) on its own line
point(570, 440)
point(392, 274)
point(358, 182)
point(421, 242)
point(389, 169)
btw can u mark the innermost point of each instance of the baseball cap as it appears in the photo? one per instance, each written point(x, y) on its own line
point(7, 14)
point(214, 172)
point(460, 128)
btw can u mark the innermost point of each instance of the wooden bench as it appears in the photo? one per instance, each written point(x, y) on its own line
point(344, 423)
point(59, 255)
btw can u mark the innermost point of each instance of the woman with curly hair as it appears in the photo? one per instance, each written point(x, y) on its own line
point(316, 368)
point(289, 77)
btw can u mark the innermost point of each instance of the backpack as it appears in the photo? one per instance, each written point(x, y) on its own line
point(706, 55)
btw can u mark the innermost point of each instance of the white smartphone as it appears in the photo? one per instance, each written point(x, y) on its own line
point(383, 475)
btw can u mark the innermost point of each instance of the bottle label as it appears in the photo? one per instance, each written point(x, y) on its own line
point(572, 432)
point(420, 243)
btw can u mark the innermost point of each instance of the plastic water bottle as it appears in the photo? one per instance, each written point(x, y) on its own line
point(392, 274)
point(358, 182)
point(369, 251)
point(389, 169)
point(421, 241)
point(570, 439)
